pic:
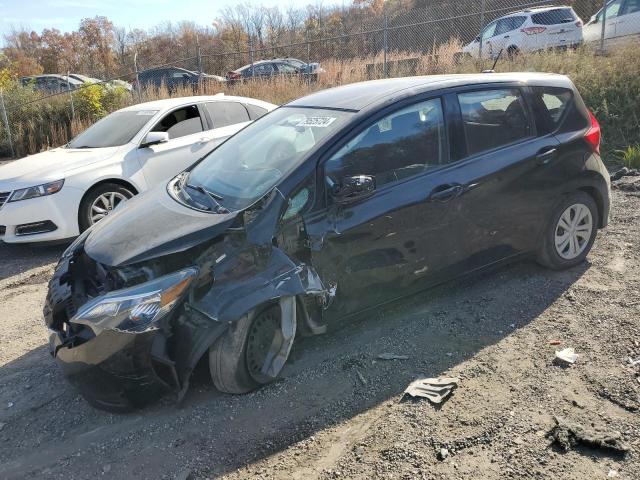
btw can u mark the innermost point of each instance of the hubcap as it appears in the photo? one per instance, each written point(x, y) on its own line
point(104, 204)
point(573, 231)
point(265, 337)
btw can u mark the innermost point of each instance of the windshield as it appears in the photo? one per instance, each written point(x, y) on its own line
point(254, 160)
point(113, 130)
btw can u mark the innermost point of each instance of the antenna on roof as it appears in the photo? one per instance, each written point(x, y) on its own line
point(493, 69)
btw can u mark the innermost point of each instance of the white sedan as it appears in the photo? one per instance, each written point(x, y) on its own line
point(55, 195)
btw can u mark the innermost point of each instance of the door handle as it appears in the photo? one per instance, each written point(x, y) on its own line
point(445, 193)
point(506, 36)
point(545, 156)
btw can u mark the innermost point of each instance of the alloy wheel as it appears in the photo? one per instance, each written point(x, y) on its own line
point(573, 231)
point(104, 204)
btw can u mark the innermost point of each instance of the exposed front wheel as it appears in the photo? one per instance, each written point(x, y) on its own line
point(571, 232)
point(254, 349)
point(100, 202)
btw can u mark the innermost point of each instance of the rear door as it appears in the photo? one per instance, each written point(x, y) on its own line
point(505, 175)
point(225, 118)
point(187, 143)
point(560, 28)
point(506, 34)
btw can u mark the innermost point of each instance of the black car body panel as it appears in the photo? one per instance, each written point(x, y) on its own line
point(334, 258)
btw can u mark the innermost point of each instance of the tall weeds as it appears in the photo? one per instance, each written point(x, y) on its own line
point(610, 86)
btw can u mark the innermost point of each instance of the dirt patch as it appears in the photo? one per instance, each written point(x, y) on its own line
point(337, 412)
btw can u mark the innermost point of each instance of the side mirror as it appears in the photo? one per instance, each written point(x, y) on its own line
point(353, 188)
point(153, 138)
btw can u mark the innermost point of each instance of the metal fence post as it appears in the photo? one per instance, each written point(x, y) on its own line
point(199, 62)
point(5, 120)
point(251, 55)
point(135, 67)
point(482, 8)
point(73, 110)
point(384, 46)
point(604, 21)
point(308, 59)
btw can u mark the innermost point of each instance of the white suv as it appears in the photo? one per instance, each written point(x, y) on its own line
point(55, 195)
point(528, 31)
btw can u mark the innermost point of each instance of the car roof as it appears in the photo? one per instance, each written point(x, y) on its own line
point(533, 10)
point(258, 62)
point(364, 95)
point(169, 103)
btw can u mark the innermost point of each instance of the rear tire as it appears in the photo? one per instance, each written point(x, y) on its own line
point(103, 197)
point(234, 360)
point(570, 233)
point(513, 52)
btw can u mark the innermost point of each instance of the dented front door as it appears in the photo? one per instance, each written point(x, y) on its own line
point(388, 246)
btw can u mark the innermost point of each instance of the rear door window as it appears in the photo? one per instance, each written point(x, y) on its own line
point(407, 142)
point(494, 118)
point(286, 68)
point(226, 113)
point(181, 122)
point(554, 17)
point(508, 24)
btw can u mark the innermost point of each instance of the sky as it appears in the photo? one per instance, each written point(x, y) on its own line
point(65, 15)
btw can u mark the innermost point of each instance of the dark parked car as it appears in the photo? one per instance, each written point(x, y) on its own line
point(328, 206)
point(51, 83)
point(174, 77)
point(276, 67)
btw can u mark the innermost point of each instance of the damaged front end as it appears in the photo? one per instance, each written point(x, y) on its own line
point(125, 334)
point(109, 328)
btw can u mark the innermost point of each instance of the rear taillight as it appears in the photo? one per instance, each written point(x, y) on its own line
point(592, 136)
point(533, 30)
point(579, 23)
point(233, 75)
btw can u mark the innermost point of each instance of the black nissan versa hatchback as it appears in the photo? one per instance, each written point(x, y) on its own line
point(332, 204)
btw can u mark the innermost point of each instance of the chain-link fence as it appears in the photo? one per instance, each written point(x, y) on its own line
point(46, 111)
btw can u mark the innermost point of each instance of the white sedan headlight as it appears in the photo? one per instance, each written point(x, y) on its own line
point(37, 191)
point(139, 308)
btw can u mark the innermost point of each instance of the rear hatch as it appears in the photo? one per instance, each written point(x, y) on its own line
point(557, 27)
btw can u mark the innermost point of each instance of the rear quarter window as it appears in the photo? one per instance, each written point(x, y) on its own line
point(255, 112)
point(554, 17)
point(555, 102)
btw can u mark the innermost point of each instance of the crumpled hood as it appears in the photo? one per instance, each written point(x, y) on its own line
point(49, 166)
point(152, 225)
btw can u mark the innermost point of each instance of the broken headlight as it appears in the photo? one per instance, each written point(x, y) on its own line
point(139, 308)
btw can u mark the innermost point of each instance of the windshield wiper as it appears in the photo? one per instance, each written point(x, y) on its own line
point(215, 198)
point(201, 189)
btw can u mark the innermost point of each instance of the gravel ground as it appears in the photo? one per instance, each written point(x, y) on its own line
point(338, 412)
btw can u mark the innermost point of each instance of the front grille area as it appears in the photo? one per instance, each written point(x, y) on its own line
point(4, 196)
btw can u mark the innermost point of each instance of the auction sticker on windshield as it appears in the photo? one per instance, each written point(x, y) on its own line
point(316, 122)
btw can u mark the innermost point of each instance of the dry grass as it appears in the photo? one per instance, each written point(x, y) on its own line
point(609, 84)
